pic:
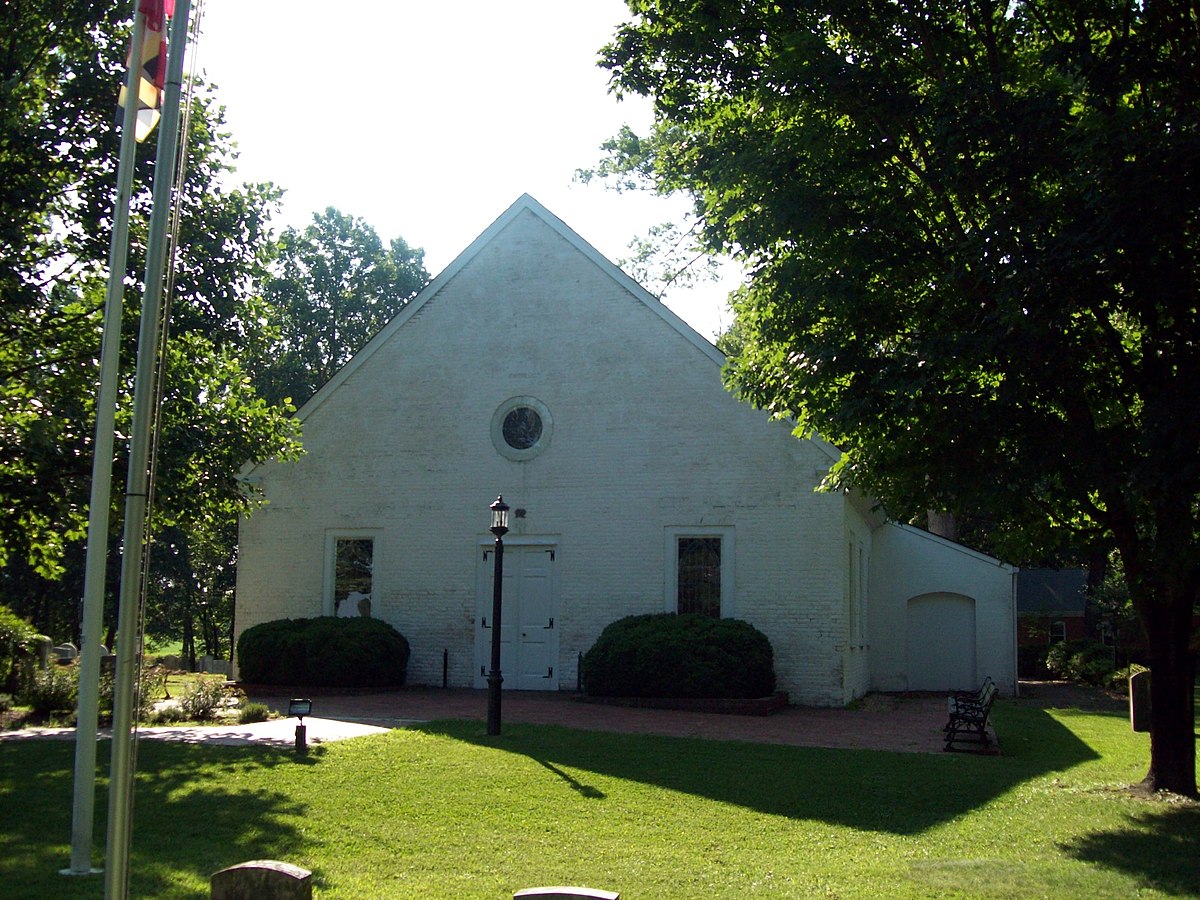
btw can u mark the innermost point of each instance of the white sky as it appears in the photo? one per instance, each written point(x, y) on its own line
point(428, 119)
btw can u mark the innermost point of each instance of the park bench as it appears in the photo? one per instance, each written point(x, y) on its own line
point(969, 715)
point(975, 697)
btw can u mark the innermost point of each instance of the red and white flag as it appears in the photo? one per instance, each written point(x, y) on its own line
point(153, 69)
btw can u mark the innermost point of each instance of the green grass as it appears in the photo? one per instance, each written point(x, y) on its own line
point(447, 812)
point(155, 649)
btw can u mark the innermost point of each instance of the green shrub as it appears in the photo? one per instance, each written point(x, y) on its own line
point(253, 712)
point(17, 639)
point(1089, 662)
point(52, 691)
point(203, 698)
point(170, 714)
point(324, 652)
point(669, 655)
point(6, 702)
point(1118, 680)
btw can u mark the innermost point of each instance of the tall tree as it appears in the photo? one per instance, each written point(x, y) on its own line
point(333, 287)
point(972, 230)
point(59, 72)
point(58, 65)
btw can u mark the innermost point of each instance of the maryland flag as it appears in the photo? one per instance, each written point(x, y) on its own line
point(153, 56)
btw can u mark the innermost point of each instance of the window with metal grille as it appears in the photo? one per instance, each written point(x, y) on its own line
point(354, 561)
point(699, 576)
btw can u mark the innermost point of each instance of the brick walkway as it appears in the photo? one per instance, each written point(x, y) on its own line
point(911, 724)
point(901, 723)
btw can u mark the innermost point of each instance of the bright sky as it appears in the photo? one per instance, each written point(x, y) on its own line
point(428, 119)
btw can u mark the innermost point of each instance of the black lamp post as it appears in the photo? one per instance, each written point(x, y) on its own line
point(495, 679)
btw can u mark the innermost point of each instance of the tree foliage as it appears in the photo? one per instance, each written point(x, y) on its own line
point(55, 66)
point(60, 67)
point(333, 286)
point(972, 233)
point(670, 255)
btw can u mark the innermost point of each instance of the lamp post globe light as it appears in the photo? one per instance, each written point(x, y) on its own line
point(495, 679)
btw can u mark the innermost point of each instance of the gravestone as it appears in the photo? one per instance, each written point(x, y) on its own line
point(1140, 711)
point(261, 879)
point(566, 893)
point(43, 652)
point(214, 666)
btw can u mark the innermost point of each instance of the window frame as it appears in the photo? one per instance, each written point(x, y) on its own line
point(671, 558)
point(521, 454)
point(330, 574)
point(858, 570)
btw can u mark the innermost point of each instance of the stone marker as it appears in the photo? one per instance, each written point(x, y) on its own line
point(1140, 712)
point(567, 893)
point(262, 879)
point(44, 645)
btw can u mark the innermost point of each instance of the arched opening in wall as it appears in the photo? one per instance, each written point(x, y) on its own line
point(941, 643)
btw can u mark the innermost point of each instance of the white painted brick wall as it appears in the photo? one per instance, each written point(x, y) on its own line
point(645, 437)
point(909, 563)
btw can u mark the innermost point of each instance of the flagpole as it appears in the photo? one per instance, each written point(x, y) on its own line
point(120, 799)
point(84, 802)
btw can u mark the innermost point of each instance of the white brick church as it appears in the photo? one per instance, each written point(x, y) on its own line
point(534, 368)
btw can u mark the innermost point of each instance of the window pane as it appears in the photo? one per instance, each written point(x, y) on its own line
point(352, 574)
point(700, 576)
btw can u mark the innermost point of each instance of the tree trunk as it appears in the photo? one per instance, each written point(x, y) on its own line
point(189, 640)
point(1168, 623)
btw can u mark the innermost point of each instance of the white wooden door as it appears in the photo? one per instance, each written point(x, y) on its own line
point(941, 643)
point(528, 630)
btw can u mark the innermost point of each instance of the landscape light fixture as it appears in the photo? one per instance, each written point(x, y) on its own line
point(300, 708)
point(495, 678)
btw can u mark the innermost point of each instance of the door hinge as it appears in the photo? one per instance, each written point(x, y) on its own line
point(483, 622)
point(549, 673)
point(482, 670)
point(551, 552)
point(550, 625)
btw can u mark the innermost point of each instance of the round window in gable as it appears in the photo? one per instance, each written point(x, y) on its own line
point(521, 428)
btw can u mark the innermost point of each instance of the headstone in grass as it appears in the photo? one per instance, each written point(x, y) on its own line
point(262, 879)
point(566, 893)
point(1139, 700)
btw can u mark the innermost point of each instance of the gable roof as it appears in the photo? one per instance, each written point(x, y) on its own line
point(1052, 592)
point(524, 204)
point(922, 534)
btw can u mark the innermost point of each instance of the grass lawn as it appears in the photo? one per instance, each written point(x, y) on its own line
point(445, 811)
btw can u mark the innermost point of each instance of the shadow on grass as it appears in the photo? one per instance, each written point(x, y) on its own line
point(1162, 848)
point(901, 793)
point(190, 817)
point(584, 790)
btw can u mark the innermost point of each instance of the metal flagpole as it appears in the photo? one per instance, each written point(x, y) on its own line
point(120, 801)
point(83, 806)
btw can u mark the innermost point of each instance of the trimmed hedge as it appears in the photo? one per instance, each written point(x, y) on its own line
point(327, 651)
point(683, 656)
